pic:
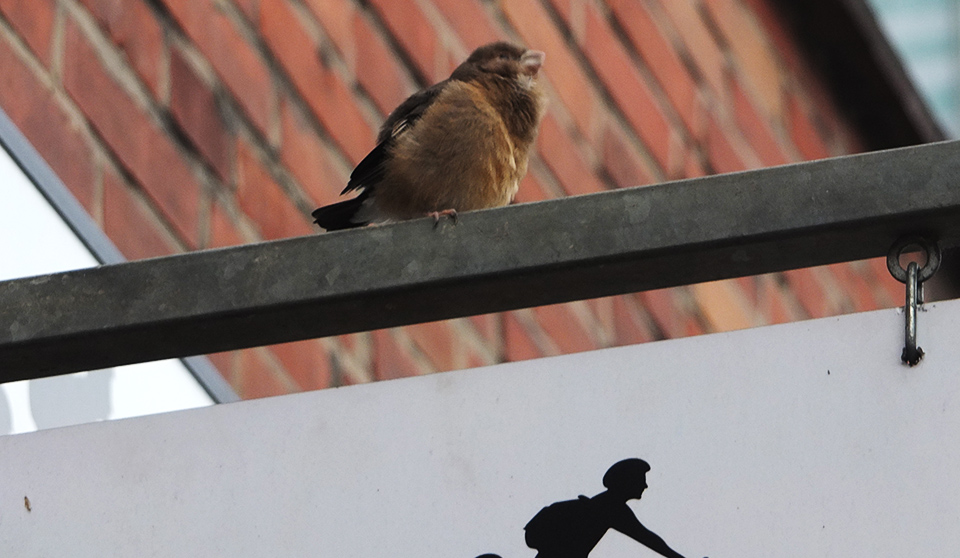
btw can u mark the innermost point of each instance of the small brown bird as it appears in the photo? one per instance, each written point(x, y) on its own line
point(459, 145)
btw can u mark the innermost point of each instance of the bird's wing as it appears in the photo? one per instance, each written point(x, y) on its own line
point(370, 170)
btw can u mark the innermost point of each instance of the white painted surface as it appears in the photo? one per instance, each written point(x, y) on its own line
point(808, 439)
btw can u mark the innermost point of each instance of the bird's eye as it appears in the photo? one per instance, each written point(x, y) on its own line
point(504, 56)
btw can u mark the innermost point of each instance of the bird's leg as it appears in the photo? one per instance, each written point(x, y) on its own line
point(452, 213)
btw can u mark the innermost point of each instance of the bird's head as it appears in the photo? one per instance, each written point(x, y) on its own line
point(502, 59)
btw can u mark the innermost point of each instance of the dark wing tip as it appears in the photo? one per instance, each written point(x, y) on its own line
point(369, 171)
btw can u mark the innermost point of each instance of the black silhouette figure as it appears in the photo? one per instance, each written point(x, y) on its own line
point(570, 529)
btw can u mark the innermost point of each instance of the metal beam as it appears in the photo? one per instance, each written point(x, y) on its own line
point(524, 255)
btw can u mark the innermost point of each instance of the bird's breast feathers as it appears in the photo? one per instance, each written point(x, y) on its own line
point(458, 155)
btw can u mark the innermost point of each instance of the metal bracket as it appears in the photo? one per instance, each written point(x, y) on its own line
point(913, 276)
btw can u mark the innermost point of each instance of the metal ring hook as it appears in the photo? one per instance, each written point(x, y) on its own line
point(913, 277)
point(931, 249)
point(912, 353)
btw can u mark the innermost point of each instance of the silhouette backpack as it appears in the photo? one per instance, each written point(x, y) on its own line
point(556, 522)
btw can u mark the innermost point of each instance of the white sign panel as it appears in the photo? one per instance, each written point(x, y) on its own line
point(806, 439)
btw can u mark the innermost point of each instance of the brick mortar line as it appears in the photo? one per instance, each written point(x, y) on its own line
point(284, 83)
point(57, 43)
point(267, 153)
point(786, 295)
point(788, 83)
point(738, 141)
point(101, 154)
point(590, 322)
point(139, 195)
point(641, 315)
point(715, 105)
point(679, 46)
point(687, 303)
point(270, 159)
point(401, 55)
point(406, 343)
point(274, 365)
point(112, 59)
point(244, 224)
point(359, 369)
point(660, 95)
point(447, 36)
point(20, 47)
point(789, 295)
point(327, 49)
point(531, 325)
point(734, 67)
point(613, 112)
point(116, 66)
point(548, 180)
point(467, 332)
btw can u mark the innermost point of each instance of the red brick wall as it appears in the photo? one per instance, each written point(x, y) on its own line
point(188, 124)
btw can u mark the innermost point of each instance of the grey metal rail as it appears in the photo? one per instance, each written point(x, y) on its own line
point(628, 240)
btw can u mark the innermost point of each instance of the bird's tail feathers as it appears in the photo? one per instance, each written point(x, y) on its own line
point(342, 215)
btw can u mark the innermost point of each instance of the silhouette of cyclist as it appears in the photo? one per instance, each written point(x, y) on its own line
point(571, 529)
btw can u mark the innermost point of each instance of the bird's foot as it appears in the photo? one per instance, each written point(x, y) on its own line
point(452, 213)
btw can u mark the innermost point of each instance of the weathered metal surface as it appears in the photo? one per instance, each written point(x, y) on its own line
point(628, 240)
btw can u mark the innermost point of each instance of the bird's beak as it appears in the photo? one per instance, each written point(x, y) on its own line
point(531, 61)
